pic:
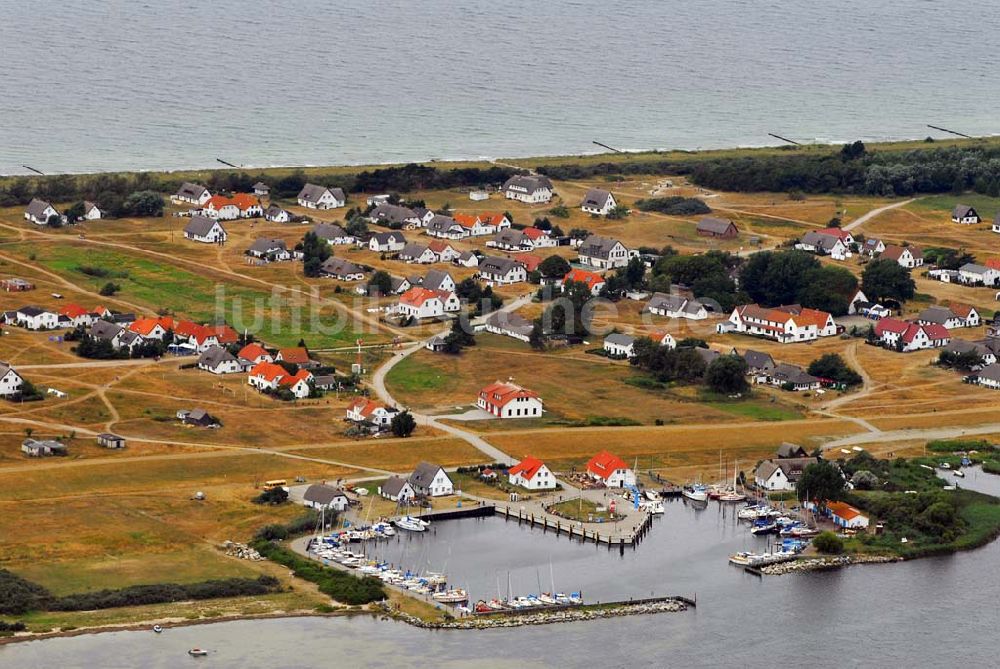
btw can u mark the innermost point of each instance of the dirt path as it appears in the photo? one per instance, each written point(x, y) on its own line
point(864, 218)
point(828, 409)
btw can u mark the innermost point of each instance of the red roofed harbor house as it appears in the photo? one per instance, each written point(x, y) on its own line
point(240, 205)
point(531, 473)
point(611, 470)
point(842, 514)
point(509, 400)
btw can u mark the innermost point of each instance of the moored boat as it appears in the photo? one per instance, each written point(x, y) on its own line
point(696, 493)
point(411, 524)
point(197, 652)
point(455, 596)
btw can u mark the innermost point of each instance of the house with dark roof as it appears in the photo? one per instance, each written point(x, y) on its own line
point(218, 360)
point(989, 376)
point(397, 489)
point(720, 228)
point(965, 215)
point(817, 242)
point(395, 216)
point(192, 194)
point(419, 254)
point(446, 227)
point(781, 474)
point(109, 440)
point(759, 364)
point(269, 249)
point(91, 212)
point(793, 377)
point(986, 350)
point(206, 230)
point(313, 196)
point(322, 496)
point(619, 345)
point(529, 188)
point(788, 450)
point(386, 242)
point(261, 189)
point(275, 214)
point(509, 324)
point(496, 271)
point(604, 252)
point(341, 269)
point(332, 234)
point(431, 480)
point(437, 279)
point(39, 211)
point(677, 306)
point(598, 202)
point(198, 418)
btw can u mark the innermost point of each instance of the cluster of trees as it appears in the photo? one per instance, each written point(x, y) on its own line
point(88, 346)
point(19, 596)
point(630, 277)
point(946, 258)
point(482, 297)
point(832, 366)
point(458, 338)
point(340, 585)
point(315, 252)
point(726, 374)
point(272, 497)
point(707, 275)
point(964, 360)
point(887, 280)
point(543, 223)
point(796, 277)
point(567, 315)
point(674, 205)
point(423, 177)
point(403, 424)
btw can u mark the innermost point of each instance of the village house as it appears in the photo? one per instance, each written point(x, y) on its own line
point(205, 230)
point(296, 355)
point(10, 381)
point(320, 197)
point(91, 212)
point(261, 189)
point(269, 249)
point(598, 202)
point(386, 242)
point(858, 299)
point(332, 234)
point(446, 227)
point(253, 353)
point(396, 489)
point(618, 345)
point(509, 400)
point(192, 194)
point(201, 337)
point(16, 285)
point(366, 411)
point(611, 470)
point(322, 496)
point(152, 328)
point(824, 244)
point(676, 306)
point(760, 365)
point(964, 215)
point(907, 336)
point(268, 376)
point(35, 318)
point(394, 216)
point(431, 480)
point(483, 224)
point(468, 259)
point(509, 324)
point(783, 324)
point(987, 355)
point(512, 240)
point(275, 214)
point(419, 303)
point(872, 247)
point(973, 274)
point(437, 279)
point(444, 251)
point(907, 256)
point(661, 338)
point(37, 448)
point(497, 271)
point(953, 316)
point(118, 336)
point(989, 377)
point(594, 281)
point(39, 211)
point(720, 228)
point(789, 450)
point(77, 315)
point(844, 515)
point(240, 205)
point(527, 188)
point(792, 377)
point(781, 474)
point(198, 418)
point(218, 360)
point(419, 254)
point(604, 253)
point(112, 441)
point(531, 473)
point(342, 270)
point(376, 200)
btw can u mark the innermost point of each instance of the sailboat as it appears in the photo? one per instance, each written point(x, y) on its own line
point(696, 492)
point(733, 495)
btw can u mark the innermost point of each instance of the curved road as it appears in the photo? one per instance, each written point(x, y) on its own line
point(864, 218)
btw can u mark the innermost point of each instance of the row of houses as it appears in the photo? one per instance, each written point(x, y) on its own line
point(40, 211)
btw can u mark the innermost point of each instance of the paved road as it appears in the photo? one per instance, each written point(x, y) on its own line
point(864, 218)
point(922, 434)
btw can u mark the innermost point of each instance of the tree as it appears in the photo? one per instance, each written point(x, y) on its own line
point(864, 480)
point(356, 226)
point(74, 213)
point(820, 481)
point(853, 151)
point(829, 543)
point(458, 338)
point(554, 267)
point(272, 497)
point(675, 205)
point(403, 424)
point(143, 203)
point(315, 252)
point(109, 289)
point(727, 374)
point(54, 221)
point(832, 366)
point(381, 282)
point(887, 279)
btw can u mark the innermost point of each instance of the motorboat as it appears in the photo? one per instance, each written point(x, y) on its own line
point(959, 473)
point(384, 529)
point(652, 495)
point(157, 629)
point(732, 497)
point(547, 598)
point(456, 596)
point(945, 465)
point(655, 508)
point(742, 559)
point(411, 524)
point(762, 527)
point(696, 493)
point(197, 652)
point(435, 578)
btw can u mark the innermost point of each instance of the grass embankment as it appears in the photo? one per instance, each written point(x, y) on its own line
point(341, 586)
point(581, 510)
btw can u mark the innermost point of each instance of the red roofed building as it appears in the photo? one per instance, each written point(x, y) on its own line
point(364, 410)
point(240, 205)
point(271, 376)
point(530, 261)
point(419, 302)
point(531, 473)
point(907, 336)
point(842, 235)
point(610, 469)
point(540, 238)
point(784, 324)
point(445, 251)
point(297, 356)
point(151, 328)
point(845, 515)
point(78, 315)
point(483, 224)
point(254, 353)
point(509, 400)
point(593, 280)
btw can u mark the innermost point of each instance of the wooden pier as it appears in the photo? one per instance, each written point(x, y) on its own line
point(612, 537)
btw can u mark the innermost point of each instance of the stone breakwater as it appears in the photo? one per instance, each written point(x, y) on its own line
point(824, 563)
point(545, 617)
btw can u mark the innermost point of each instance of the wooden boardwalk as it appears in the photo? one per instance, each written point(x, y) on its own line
point(614, 536)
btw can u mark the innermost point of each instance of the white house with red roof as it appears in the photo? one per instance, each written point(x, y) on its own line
point(906, 256)
point(445, 251)
point(364, 410)
point(843, 235)
point(611, 470)
point(269, 376)
point(783, 324)
point(254, 353)
point(240, 205)
point(509, 400)
point(531, 473)
point(482, 224)
point(593, 280)
point(845, 515)
point(78, 315)
point(151, 328)
point(419, 302)
point(907, 336)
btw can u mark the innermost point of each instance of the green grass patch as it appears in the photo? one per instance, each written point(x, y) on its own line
point(581, 510)
point(757, 410)
point(987, 207)
point(413, 376)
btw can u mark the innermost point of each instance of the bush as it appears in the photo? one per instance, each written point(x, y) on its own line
point(675, 205)
point(18, 595)
point(829, 543)
point(140, 595)
point(109, 289)
point(272, 533)
point(341, 586)
point(272, 497)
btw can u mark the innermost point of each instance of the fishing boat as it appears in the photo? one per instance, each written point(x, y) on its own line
point(652, 495)
point(742, 559)
point(455, 596)
point(157, 629)
point(197, 652)
point(384, 529)
point(655, 508)
point(696, 493)
point(959, 473)
point(482, 607)
point(411, 524)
